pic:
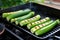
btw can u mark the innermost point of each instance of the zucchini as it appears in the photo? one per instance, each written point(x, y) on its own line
point(4, 15)
point(47, 28)
point(17, 20)
point(40, 26)
point(31, 25)
point(27, 21)
point(21, 13)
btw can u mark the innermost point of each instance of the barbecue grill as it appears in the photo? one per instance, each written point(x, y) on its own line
point(18, 31)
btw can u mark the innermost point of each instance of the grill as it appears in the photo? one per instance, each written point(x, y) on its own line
point(18, 32)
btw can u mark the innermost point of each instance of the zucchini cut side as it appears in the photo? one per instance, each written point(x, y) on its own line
point(24, 17)
point(31, 25)
point(27, 21)
point(47, 28)
point(40, 26)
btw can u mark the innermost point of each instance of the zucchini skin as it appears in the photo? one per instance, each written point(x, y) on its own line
point(47, 28)
point(27, 21)
point(40, 26)
point(17, 20)
point(31, 25)
point(4, 15)
point(21, 13)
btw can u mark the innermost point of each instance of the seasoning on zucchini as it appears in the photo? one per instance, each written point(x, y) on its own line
point(17, 20)
point(47, 28)
point(31, 25)
point(27, 21)
point(4, 15)
point(40, 26)
point(21, 13)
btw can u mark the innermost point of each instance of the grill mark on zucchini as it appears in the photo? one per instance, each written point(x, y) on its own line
point(47, 28)
point(37, 17)
point(38, 22)
point(40, 26)
point(23, 17)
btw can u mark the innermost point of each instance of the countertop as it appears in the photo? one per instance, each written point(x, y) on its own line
point(52, 5)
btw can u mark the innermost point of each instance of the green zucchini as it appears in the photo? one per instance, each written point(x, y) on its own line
point(47, 28)
point(29, 26)
point(4, 15)
point(17, 20)
point(27, 21)
point(21, 13)
point(40, 26)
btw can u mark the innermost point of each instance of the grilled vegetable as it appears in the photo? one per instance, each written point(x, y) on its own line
point(40, 26)
point(29, 26)
point(47, 28)
point(4, 15)
point(27, 21)
point(17, 20)
point(21, 13)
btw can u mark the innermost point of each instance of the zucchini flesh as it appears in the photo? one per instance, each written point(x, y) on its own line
point(47, 28)
point(21, 13)
point(40, 26)
point(17, 20)
point(31, 25)
point(27, 21)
